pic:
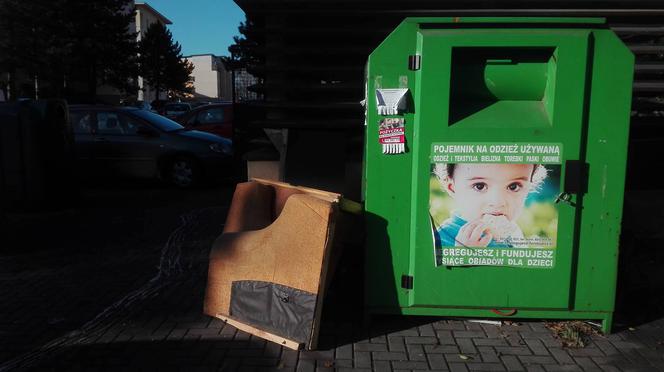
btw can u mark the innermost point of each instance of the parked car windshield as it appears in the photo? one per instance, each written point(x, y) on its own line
point(165, 124)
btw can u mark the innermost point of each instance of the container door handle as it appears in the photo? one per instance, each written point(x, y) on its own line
point(565, 197)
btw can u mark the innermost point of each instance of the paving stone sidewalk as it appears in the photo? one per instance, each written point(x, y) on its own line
point(169, 333)
point(155, 323)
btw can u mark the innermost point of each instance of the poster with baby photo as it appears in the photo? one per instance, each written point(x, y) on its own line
point(493, 204)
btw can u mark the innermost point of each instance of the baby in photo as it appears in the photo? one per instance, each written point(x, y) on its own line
point(488, 200)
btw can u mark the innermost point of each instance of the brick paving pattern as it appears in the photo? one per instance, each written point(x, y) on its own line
point(162, 328)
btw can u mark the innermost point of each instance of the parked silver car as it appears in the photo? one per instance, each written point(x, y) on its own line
point(131, 142)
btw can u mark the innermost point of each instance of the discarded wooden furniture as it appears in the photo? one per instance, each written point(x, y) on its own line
point(268, 270)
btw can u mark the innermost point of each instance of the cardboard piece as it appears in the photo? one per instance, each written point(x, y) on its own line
point(276, 233)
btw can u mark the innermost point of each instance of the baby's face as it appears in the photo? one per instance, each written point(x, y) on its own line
point(494, 189)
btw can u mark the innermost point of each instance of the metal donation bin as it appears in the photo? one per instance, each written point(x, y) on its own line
point(494, 167)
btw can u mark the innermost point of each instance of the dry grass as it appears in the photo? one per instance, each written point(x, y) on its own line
point(572, 334)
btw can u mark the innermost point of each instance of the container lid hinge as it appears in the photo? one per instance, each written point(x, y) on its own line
point(406, 282)
point(414, 62)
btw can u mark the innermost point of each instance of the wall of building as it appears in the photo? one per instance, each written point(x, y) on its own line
point(144, 20)
point(205, 76)
point(225, 84)
point(210, 78)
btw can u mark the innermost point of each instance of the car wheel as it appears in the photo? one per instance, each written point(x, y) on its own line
point(183, 172)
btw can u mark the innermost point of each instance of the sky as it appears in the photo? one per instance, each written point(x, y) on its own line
point(201, 26)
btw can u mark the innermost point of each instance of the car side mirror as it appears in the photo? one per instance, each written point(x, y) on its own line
point(147, 132)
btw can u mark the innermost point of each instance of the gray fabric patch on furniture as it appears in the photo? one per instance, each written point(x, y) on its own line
point(284, 311)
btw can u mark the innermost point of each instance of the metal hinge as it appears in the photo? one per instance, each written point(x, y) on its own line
point(406, 282)
point(414, 62)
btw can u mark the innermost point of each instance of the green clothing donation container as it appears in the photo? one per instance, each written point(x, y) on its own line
point(495, 166)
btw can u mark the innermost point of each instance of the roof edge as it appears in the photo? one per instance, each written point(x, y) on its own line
point(201, 55)
point(141, 4)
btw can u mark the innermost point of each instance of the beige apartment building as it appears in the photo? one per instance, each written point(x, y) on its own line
point(210, 79)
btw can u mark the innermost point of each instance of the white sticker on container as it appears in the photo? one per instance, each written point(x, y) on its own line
point(390, 101)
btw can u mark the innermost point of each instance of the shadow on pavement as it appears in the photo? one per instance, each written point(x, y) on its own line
point(63, 270)
point(640, 274)
point(117, 283)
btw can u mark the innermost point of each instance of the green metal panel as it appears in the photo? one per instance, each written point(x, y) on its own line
point(388, 178)
point(496, 286)
point(608, 134)
point(506, 80)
